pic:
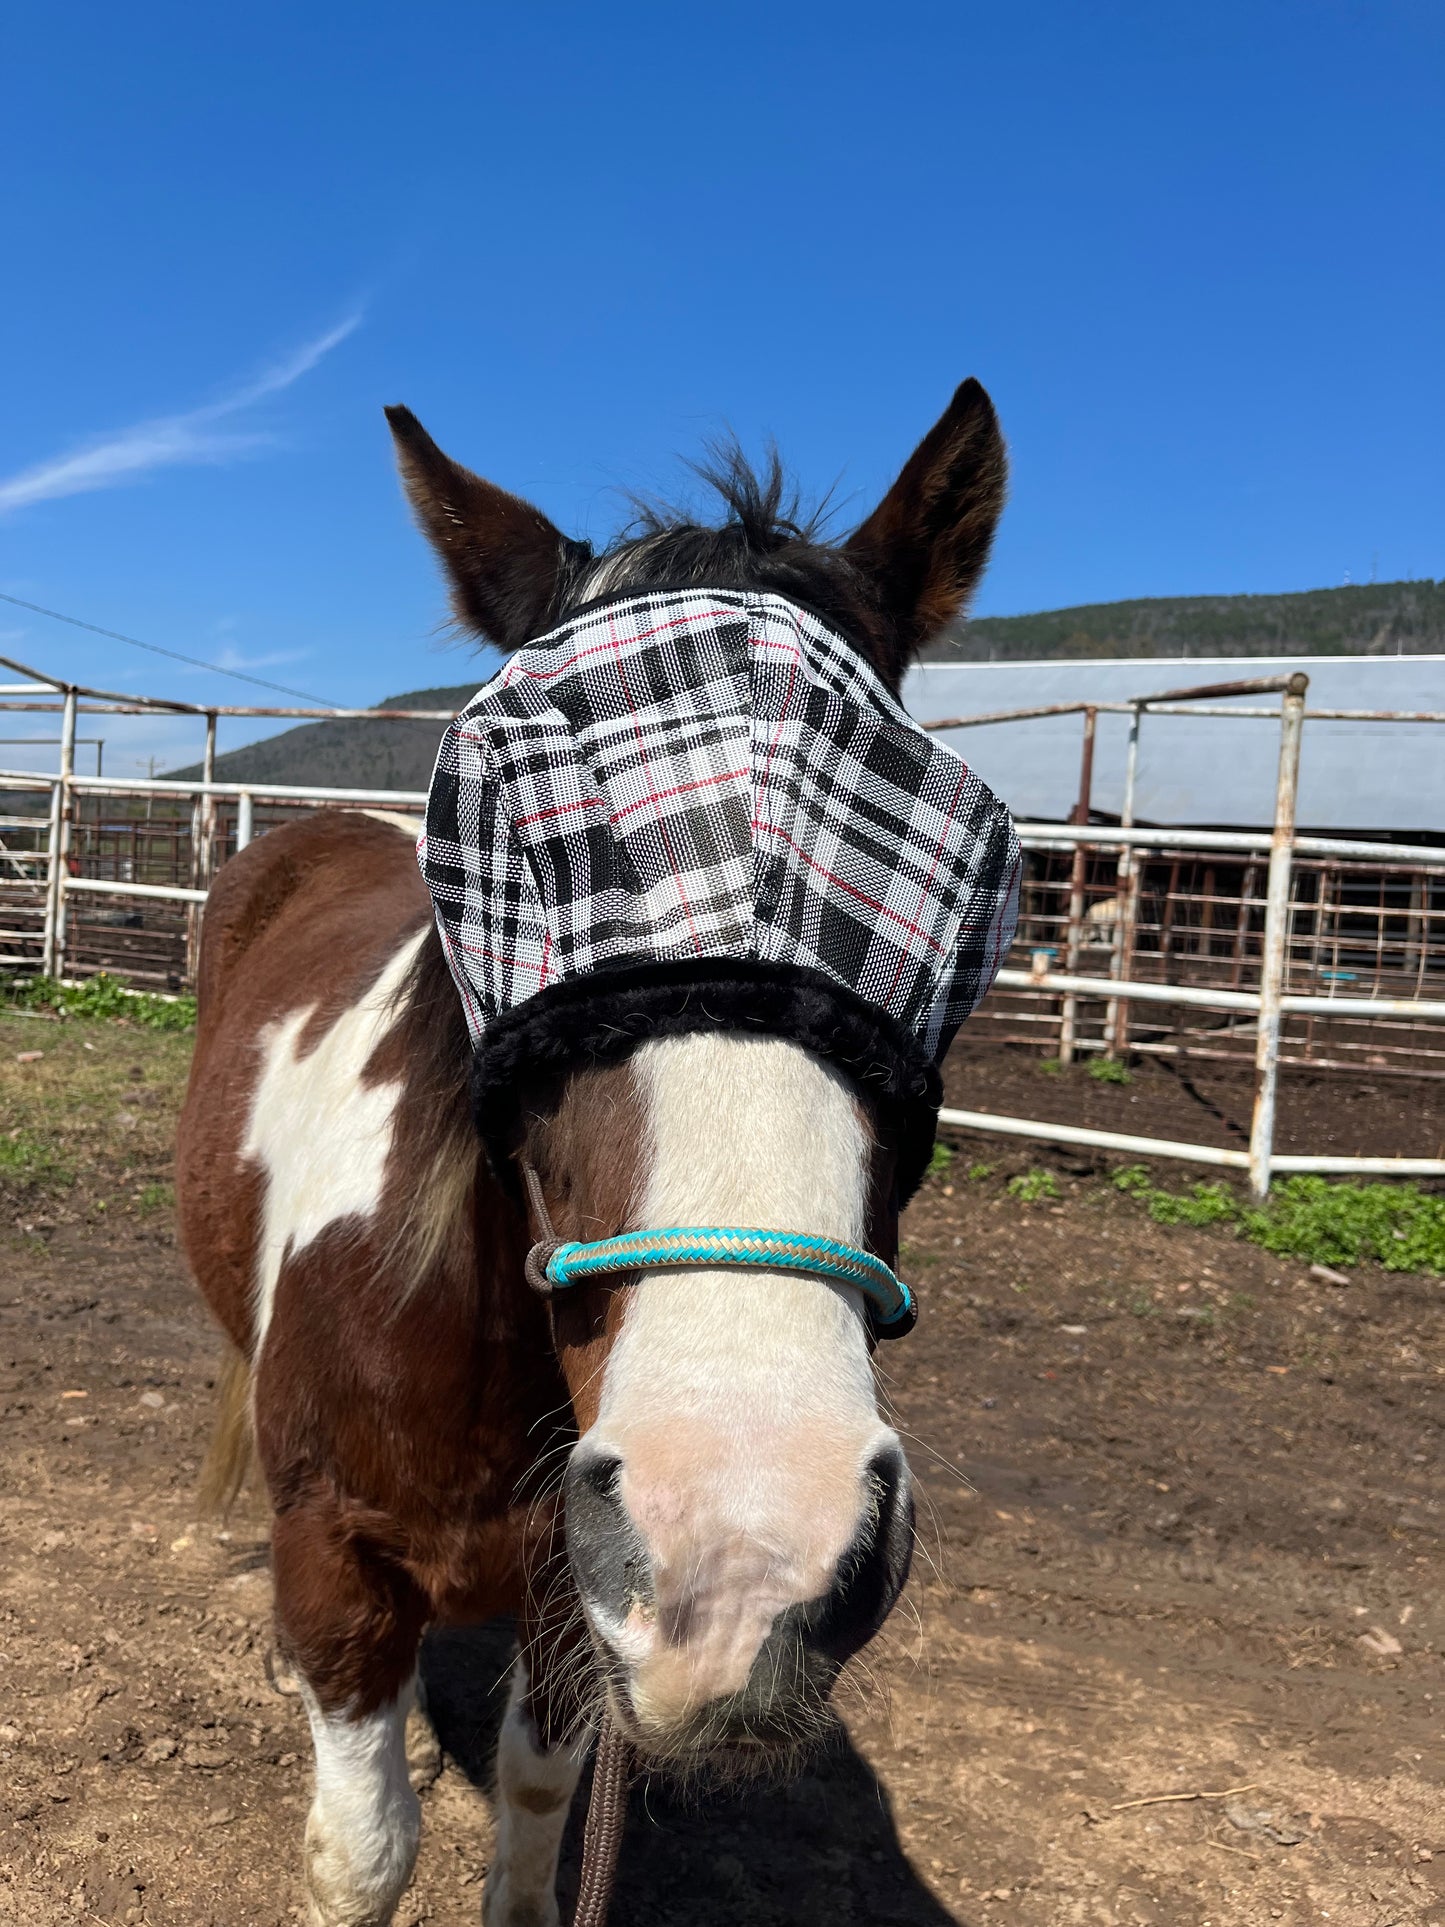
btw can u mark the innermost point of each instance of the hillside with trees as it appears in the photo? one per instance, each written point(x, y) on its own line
point(1384, 619)
point(1364, 619)
point(348, 754)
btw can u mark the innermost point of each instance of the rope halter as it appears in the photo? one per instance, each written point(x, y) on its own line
point(892, 1310)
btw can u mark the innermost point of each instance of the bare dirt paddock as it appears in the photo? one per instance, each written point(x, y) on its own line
point(1171, 1654)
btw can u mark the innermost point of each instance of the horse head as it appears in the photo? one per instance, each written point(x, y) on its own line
point(738, 1511)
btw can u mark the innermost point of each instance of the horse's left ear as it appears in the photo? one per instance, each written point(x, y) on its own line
point(926, 543)
point(502, 557)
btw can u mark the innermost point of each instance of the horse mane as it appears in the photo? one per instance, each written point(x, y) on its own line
point(764, 541)
point(431, 1033)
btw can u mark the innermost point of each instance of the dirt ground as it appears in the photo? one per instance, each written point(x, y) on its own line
point(1171, 1653)
point(1195, 1101)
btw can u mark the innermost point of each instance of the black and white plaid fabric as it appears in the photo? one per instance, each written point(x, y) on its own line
point(709, 774)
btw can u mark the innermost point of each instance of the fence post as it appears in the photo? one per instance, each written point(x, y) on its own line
point(203, 817)
point(1126, 900)
point(1276, 934)
point(208, 806)
point(1074, 929)
point(244, 820)
point(61, 799)
point(52, 882)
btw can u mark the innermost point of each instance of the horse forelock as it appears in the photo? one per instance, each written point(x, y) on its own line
point(766, 543)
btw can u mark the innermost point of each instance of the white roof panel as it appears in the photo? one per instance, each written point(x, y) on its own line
point(1203, 769)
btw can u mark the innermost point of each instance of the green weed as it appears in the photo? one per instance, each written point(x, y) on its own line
point(1397, 1226)
point(939, 1162)
point(1108, 1070)
point(978, 1172)
point(1201, 1204)
point(1030, 1187)
point(101, 996)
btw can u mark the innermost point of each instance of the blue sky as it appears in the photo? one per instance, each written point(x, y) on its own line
point(1195, 253)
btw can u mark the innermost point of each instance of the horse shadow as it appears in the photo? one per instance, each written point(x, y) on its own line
point(819, 1850)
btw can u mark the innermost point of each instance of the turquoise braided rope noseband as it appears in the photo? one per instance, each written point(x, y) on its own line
point(892, 1308)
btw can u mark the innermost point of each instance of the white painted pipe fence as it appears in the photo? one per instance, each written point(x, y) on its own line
point(1267, 1005)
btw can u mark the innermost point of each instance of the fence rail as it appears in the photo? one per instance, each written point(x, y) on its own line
point(1268, 934)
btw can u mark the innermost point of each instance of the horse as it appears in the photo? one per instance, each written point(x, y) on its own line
point(681, 1485)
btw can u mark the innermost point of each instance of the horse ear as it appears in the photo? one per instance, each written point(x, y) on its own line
point(502, 557)
point(926, 543)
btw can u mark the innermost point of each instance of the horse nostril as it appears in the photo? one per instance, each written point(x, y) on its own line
point(604, 1546)
point(598, 1473)
point(872, 1571)
point(893, 1528)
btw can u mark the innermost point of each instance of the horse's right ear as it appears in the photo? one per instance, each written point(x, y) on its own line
point(926, 543)
point(503, 558)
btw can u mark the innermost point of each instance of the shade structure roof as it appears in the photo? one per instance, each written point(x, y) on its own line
point(1364, 776)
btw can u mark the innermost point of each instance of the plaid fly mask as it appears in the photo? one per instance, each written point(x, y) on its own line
point(704, 807)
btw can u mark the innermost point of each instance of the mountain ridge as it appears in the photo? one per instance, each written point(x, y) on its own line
point(1384, 618)
point(1374, 618)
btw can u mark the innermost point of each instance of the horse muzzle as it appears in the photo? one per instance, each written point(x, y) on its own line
point(713, 1635)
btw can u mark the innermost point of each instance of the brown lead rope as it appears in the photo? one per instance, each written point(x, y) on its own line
point(612, 1765)
point(536, 1265)
point(606, 1817)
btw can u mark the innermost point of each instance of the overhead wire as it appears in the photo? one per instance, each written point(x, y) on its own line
point(216, 668)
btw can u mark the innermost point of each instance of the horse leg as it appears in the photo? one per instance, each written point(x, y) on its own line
point(351, 1623)
point(536, 1777)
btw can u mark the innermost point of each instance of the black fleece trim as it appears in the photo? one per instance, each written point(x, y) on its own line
point(602, 1018)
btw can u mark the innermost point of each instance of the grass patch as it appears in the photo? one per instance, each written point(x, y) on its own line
point(978, 1172)
point(1031, 1187)
point(30, 1161)
point(92, 1116)
point(101, 997)
point(1108, 1070)
point(1201, 1204)
point(1396, 1226)
point(940, 1159)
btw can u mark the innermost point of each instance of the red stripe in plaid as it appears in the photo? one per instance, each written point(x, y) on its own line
point(558, 809)
point(679, 789)
point(513, 962)
point(518, 667)
point(932, 870)
point(841, 883)
point(657, 795)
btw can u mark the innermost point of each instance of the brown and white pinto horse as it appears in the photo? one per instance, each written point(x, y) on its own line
point(738, 1516)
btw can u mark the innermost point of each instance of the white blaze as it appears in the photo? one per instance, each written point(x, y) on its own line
point(741, 1403)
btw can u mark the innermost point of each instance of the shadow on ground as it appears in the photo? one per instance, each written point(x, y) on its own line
point(820, 1850)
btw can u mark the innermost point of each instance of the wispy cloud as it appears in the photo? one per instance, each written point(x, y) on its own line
point(197, 436)
point(229, 658)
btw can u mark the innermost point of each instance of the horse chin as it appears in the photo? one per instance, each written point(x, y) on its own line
point(748, 1736)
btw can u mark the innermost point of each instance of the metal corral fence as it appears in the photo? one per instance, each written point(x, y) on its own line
point(1270, 946)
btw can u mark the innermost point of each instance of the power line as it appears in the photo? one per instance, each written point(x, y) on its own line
point(156, 650)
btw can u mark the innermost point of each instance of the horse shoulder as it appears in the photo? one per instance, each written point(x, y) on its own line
point(308, 940)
